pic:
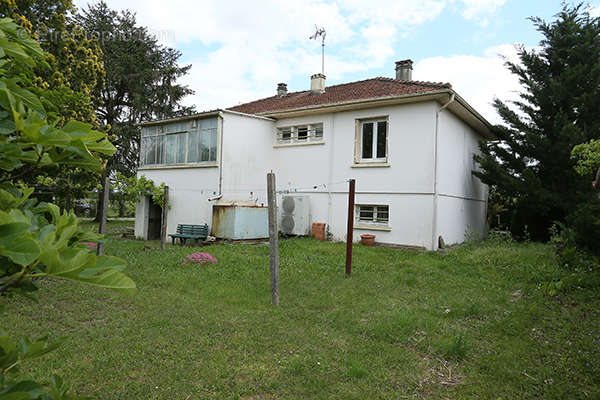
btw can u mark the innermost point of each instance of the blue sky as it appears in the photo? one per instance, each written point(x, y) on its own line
point(239, 51)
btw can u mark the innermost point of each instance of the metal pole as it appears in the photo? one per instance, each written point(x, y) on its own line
point(323, 56)
point(273, 239)
point(163, 219)
point(103, 219)
point(350, 232)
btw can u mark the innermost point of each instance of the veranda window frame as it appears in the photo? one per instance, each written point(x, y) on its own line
point(186, 128)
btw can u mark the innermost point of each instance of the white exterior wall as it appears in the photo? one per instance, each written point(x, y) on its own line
point(189, 191)
point(245, 162)
point(247, 157)
point(462, 201)
point(406, 185)
point(249, 151)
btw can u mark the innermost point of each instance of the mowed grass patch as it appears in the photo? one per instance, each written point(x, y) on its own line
point(467, 324)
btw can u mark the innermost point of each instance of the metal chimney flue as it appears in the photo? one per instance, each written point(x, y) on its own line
point(404, 70)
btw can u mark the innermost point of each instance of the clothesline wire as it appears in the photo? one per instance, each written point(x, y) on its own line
point(280, 190)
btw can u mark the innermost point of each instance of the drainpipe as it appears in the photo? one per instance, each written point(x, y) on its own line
point(434, 230)
point(330, 174)
point(222, 122)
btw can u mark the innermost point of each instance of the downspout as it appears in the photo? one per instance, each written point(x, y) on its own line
point(220, 130)
point(434, 230)
point(330, 174)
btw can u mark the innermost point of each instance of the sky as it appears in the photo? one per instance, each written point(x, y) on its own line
point(240, 50)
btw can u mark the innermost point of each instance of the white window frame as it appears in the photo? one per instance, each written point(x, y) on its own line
point(358, 142)
point(314, 134)
point(377, 209)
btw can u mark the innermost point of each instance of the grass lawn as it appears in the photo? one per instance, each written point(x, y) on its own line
point(468, 324)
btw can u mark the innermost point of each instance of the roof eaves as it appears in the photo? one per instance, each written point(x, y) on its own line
point(355, 102)
point(247, 114)
point(182, 118)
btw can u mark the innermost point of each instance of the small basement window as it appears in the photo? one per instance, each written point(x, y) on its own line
point(372, 214)
point(309, 133)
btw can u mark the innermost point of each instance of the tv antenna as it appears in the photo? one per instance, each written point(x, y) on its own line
point(320, 32)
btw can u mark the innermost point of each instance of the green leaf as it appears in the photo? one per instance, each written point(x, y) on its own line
point(79, 265)
point(22, 251)
point(8, 232)
point(104, 147)
point(30, 389)
point(7, 126)
point(82, 131)
point(38, 348)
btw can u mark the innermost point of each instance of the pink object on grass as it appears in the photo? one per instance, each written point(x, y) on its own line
point(199, 258)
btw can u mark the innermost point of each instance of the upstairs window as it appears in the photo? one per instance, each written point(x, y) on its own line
point(179, 143)
point(309, 133)
point(372, 140)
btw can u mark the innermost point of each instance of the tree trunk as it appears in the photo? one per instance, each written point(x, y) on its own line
point(99, 205)
point(69, 203)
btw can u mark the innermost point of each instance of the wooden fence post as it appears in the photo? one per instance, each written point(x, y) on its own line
point(350, 232)
point(104, 218)
point(273, 239)
point(163, 219)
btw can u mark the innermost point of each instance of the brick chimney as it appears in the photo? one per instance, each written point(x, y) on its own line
point(317, 83)
point(404, 70)
point(281, 89)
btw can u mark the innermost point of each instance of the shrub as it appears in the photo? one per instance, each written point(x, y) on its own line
point(567, 253)
point(581, 267)
point(585, 222)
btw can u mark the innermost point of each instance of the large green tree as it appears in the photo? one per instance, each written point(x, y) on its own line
point(67, 83)
point(141, 80)
point(37, 239)
point(557, 110)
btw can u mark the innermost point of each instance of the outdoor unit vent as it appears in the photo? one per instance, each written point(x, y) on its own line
point(295, 215)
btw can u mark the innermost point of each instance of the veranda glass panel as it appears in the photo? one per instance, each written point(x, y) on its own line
point(202, 146)
point(176, 127)
point(175, 148)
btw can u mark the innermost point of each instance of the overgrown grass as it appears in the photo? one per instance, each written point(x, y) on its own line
point(467, 324)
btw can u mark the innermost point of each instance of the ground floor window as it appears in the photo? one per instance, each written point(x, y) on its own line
point(372, 214)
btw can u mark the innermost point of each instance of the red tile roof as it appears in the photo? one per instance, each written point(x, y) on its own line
point(367, 89)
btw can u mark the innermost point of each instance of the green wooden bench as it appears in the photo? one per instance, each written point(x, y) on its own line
point(189, 231)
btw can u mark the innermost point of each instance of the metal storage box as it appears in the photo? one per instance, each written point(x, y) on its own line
point(239, 222)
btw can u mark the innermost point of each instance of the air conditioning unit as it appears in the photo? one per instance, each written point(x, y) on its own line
point(295, 215)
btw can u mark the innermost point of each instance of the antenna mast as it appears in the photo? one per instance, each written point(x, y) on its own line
point(320, 32)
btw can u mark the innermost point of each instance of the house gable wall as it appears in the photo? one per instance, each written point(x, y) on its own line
point(462, 198)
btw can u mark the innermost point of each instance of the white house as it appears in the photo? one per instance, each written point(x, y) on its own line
point(408, 144)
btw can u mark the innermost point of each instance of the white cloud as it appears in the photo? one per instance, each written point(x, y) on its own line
point(478, 79)
point(258, 44)
point(594, 11)
point(477, 8)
